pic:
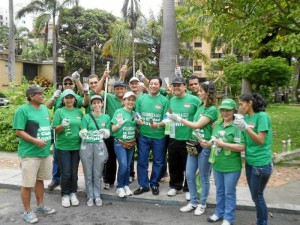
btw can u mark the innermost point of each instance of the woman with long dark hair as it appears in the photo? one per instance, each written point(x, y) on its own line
point(257, 128)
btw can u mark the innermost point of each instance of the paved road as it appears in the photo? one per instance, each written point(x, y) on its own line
point(120, 213)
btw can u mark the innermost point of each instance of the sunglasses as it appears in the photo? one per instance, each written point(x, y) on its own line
point(68, 84)
point(95, 82)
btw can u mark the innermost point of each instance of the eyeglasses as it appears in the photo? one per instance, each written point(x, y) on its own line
point(95, 82)
point(68, 84)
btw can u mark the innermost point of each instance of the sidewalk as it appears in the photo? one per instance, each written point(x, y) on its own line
point(282, 194)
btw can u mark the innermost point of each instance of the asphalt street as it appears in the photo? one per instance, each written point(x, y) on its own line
point(120, 212)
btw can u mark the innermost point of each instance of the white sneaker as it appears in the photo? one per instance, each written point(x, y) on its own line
point(74, 199)
point(200, 210)
point(98, 201)
point(128, 192)
point(213, 218)
point(172, 192)
point(90, 202)
point(121, 192)
point(187, 196)
point(189, 207)
point(65, 201)
point(225, 222)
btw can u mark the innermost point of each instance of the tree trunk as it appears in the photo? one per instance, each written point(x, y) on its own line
point(297, 71)
point(246, 85)
point(54, 50)
point(169, 42)
point(11, 43)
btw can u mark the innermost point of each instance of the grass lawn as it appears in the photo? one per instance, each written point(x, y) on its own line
point(285, 121)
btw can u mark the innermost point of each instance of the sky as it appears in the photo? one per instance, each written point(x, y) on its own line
point(113, 6)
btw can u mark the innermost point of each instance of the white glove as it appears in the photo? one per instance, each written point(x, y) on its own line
point(85, 88)
point(56, 95)
point(83, 133)
point(75, 75)
point(241, 124)
point(174, 117)
point(140, 75)
point(104, 132)
point(120, 120)
point(65, 122)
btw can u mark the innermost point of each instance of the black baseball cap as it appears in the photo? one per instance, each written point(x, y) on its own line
point(33, 89)
point(179, 80)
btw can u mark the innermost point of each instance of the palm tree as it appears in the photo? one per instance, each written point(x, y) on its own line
point(169, 41)
point(48, 9)
point(131, 14)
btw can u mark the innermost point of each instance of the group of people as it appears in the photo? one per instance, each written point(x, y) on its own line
point(138, 120)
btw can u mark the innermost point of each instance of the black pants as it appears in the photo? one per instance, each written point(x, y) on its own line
point(177, 163)
point(110, 168)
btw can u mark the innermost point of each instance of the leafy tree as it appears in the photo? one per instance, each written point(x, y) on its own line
point(81, 29)
point(47, 10)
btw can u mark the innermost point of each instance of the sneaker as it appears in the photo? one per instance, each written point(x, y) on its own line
point(172, 192)
point(53, 185)
point(90, 202)
point(74, 199)
point(45, 210)
point(128, 192)
point(213, 218)
point(121, 192)
point(65, 201)
point(30, 217)
point(187, 196)
point(98, 201)
point(189, 207)
point(108, 186)
point(225, 222)
point(200, 210)
point(131, 179)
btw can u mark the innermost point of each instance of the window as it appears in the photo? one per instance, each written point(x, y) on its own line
point(197, 68)
point(198, 44)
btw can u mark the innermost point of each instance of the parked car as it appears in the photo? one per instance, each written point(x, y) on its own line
point(4, 102)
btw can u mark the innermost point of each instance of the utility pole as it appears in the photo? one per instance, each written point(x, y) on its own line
point(93, 61)
point(11, 44)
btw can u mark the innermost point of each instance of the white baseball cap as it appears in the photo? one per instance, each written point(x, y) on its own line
point(128, 94)
point(134, 79)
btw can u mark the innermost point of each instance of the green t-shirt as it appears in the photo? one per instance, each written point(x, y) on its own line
point(185, 107)
point(69, 138)
point(58, 102)
point(210, 112)
point(152, 107)
point(232, 162)
point(127, 131)
point(112, 103)
point(259, 155)
point(88, 123)
point(27, 113)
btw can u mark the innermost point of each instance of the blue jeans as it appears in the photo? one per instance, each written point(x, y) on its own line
point(226, 194)
point(158, 148)
point(257, 179)
point(68, 162)
point(124, 157)
point(205, 170)
point(55, 169)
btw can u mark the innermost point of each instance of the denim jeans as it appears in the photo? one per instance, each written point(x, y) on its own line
point(205, 171)
point(257, 178)
point(157, 146)
point(55, 169)
point(68, 162)
point(124, 157)
point(226, 194)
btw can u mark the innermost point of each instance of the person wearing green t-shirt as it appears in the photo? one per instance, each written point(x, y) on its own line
point(32, 125)
point(67, 122)
point(93, 152)
point(206, 115)
point(123, 128)
point(257, 128)
point(185, 106)
point(228, 163)
point(69, 82)
point(151, 109)
point(113, 102)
